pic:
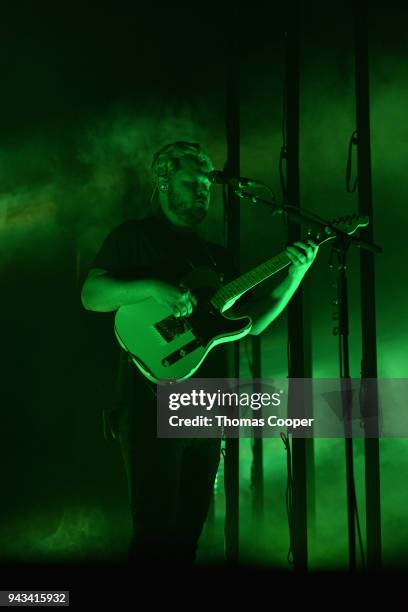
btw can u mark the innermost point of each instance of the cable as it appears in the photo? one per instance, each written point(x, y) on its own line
point(353, 495)
point(289, 494)
point(248, 356)
point(284, 151)
point(360, 538)
point(283, 125)
point(351, 189)
point(282, 159)
point(353, 141)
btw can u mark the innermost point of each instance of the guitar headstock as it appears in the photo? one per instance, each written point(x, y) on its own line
point(348, 224)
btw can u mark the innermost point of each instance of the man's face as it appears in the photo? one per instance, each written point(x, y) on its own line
point(189, 193)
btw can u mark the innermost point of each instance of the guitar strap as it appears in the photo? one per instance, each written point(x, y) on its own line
point(211, 259)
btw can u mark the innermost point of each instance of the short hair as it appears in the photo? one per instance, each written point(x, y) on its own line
point(167, 160)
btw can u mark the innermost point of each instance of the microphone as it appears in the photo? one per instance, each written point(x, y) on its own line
point(218, 177)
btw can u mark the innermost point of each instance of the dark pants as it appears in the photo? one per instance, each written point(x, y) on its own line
point(170, 484)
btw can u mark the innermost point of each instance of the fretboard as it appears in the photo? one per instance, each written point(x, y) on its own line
point(249, 280)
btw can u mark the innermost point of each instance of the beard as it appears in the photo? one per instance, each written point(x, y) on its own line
point(189, 214)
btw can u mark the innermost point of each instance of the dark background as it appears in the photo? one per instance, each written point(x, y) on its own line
point(88, 95)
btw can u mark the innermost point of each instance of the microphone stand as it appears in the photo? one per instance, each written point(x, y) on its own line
point(298, 215)
point(342, 331)
point(341, 246)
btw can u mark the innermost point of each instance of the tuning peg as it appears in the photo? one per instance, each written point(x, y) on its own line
point(335, 331)
point(335, 316)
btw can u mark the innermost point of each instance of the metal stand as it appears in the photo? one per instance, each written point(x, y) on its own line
point(257, 474)
point(368, 311)
point(343, 333)
point(299, 365)
point(232, 227)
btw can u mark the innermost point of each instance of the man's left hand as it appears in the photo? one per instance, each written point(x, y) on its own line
point(302, 255)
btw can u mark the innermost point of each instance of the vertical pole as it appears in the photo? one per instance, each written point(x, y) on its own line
point(368, 311)
point(299, 351)
point(257, 476)
point(232, 227)
point(344, 356)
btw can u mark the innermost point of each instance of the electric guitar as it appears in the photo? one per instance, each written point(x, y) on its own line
point(168, 349)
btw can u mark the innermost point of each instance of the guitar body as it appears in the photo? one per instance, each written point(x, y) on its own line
point(168, 349)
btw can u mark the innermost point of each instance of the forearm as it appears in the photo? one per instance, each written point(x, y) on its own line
point(105, 293)
point(263, 311)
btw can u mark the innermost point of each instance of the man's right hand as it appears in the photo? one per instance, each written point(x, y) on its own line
point(180, 301)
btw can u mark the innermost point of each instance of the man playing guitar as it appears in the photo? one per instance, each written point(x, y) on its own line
point(171, 480)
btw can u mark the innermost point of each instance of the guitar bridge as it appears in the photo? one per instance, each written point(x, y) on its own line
point(182, 352)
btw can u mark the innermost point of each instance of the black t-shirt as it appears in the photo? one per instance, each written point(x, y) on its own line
point(154, 248)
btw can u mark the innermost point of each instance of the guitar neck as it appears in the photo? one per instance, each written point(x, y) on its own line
point(250, 279)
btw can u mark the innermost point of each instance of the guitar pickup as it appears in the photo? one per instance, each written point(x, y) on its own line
point(172, 326)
